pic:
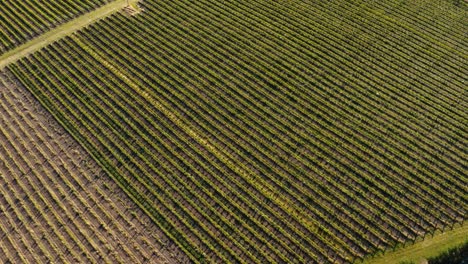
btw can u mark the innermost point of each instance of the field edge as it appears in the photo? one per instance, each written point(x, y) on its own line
point(63, 30)
point(430, 246)
point(128, 190)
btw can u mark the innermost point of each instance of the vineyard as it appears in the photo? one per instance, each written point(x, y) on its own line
point(57, 204)
point(261, 131)
point(25, 19)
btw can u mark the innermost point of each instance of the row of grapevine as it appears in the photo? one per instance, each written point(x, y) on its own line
point(23, 20)
point(56, 204)
point(271, 131)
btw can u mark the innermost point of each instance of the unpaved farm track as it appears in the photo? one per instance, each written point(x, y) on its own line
point(56, 204)
point(63, 30)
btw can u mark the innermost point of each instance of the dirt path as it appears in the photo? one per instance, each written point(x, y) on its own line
point(62, 31)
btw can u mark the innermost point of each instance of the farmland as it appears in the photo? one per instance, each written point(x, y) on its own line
point(57, 204)
point(261, 131)
point(23, 20)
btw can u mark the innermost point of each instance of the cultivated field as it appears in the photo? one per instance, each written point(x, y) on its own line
point(56, 203)
point(258, 131)
point(25, 19)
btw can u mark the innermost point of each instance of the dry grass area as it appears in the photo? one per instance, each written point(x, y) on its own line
point(132, 9)
point(56, 204)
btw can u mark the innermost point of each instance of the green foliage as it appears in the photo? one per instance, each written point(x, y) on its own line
point(406, 262)
point(452, 256)
point(271, 131)
point(22, 20)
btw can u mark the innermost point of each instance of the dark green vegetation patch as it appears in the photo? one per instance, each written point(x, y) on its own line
point(456, 255)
